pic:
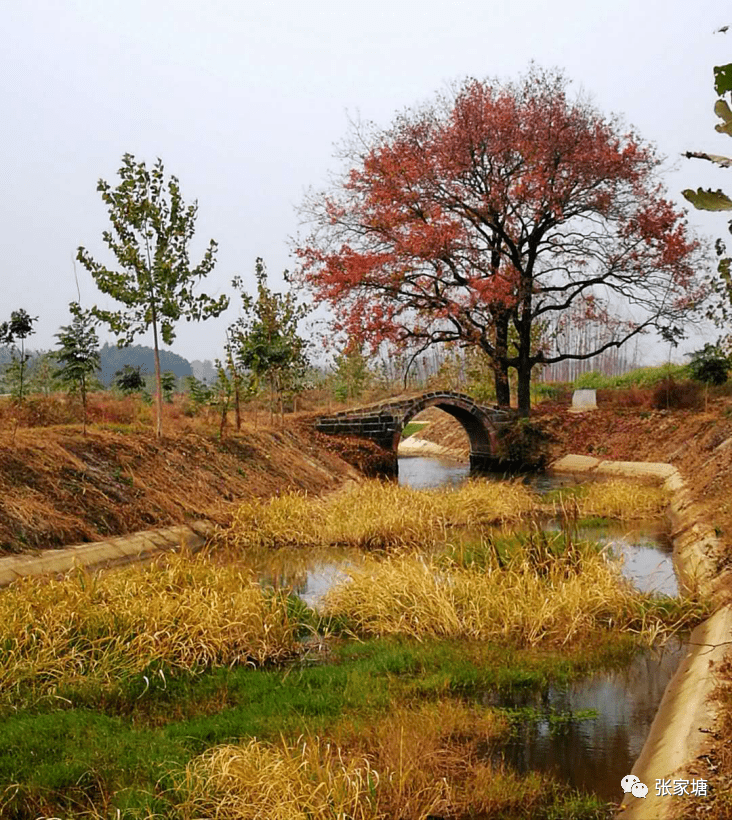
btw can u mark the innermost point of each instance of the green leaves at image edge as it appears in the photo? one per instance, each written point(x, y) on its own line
point(708, 200)
point(723, 79)
point(722, 110)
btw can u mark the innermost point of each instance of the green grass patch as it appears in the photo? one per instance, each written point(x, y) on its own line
point(412, 428)
point(640, 377)
point(115, 751)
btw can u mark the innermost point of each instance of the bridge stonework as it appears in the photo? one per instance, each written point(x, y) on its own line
point(383, 423)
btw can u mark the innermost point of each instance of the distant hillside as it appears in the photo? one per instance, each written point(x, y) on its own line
point(114, 358)
point(204, 371)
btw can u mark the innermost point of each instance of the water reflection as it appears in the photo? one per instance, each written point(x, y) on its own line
point(592, 754)
point(308, 573)
point(425, 473)
point(643, 547)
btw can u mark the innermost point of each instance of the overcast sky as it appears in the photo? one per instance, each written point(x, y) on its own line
point(245, 101)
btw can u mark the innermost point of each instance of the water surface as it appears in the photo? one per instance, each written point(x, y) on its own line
point(589, 754)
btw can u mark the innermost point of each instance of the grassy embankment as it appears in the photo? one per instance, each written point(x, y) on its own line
point(182, 689)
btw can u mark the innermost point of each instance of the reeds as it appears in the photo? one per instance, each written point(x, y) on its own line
point(411, 764)
point(291, 519)
point(379, 515)
point(533, 598)
point(618, 499)
point(184, 613)
point(375, 514)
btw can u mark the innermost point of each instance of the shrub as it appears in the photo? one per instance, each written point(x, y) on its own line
point(672, 395)
point(709, 365)
point(641, 397)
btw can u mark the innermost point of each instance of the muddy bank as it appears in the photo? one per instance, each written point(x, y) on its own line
point(422, 447)
point(60, 488)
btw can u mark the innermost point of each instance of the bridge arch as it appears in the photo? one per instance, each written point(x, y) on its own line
point(383, 423)
point(471, 416)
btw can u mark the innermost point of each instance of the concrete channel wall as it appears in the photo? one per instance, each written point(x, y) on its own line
point(102, 554)
point(685, 718)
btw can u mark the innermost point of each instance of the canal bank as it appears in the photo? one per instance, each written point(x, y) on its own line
point(686, 716)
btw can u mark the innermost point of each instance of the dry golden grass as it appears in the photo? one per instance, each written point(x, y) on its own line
point(181, 614)
point(292, 519)
point(616, 499)
point(528, 601)
point(375, 514)
point(411, 764)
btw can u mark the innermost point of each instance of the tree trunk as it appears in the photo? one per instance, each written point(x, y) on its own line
point(503, 388)
point(237, 389)
point(158, 382)
point(525, 364)
point(224, 414)
point(22, 367)
point(83, 405)
point(500, 368)
point(524, 390)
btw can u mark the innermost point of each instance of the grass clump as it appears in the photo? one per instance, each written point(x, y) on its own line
point(291, 519)
point(413, 427)
point(640, 377)
point(411, 764)
point(181, 614)
point(530, 599)
point(375, 514)
point(616, 499)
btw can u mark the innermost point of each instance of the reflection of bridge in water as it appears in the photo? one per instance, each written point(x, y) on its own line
point(384, 422)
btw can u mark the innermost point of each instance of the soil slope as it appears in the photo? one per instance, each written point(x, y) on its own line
point(59, 487)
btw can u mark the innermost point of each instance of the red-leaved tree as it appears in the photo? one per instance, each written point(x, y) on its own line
point(488, 214)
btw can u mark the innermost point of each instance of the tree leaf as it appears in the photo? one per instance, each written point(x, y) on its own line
point(722, 110)
point(723, 78)
point(723, 162)
point(708, 200)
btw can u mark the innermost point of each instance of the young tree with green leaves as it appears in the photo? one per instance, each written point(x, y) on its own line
point(199, 392)
point(79, 355)
point(42, 376)
point(168, 381)
point(221, 394)
point(152, 231)
point(18, 329)
point(265, 340)
point(129, 380)
point(351, 374)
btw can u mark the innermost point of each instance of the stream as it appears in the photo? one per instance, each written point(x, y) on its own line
point(614, 710)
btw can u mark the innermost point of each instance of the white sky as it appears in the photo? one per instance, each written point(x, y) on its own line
point(245, 101)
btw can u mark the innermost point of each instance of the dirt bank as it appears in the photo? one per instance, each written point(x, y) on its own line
point(59, 487)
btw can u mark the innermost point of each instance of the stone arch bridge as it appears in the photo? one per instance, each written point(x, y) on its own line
point(384, 422)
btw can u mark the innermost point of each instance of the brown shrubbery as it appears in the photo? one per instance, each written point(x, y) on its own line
point(672, 395)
